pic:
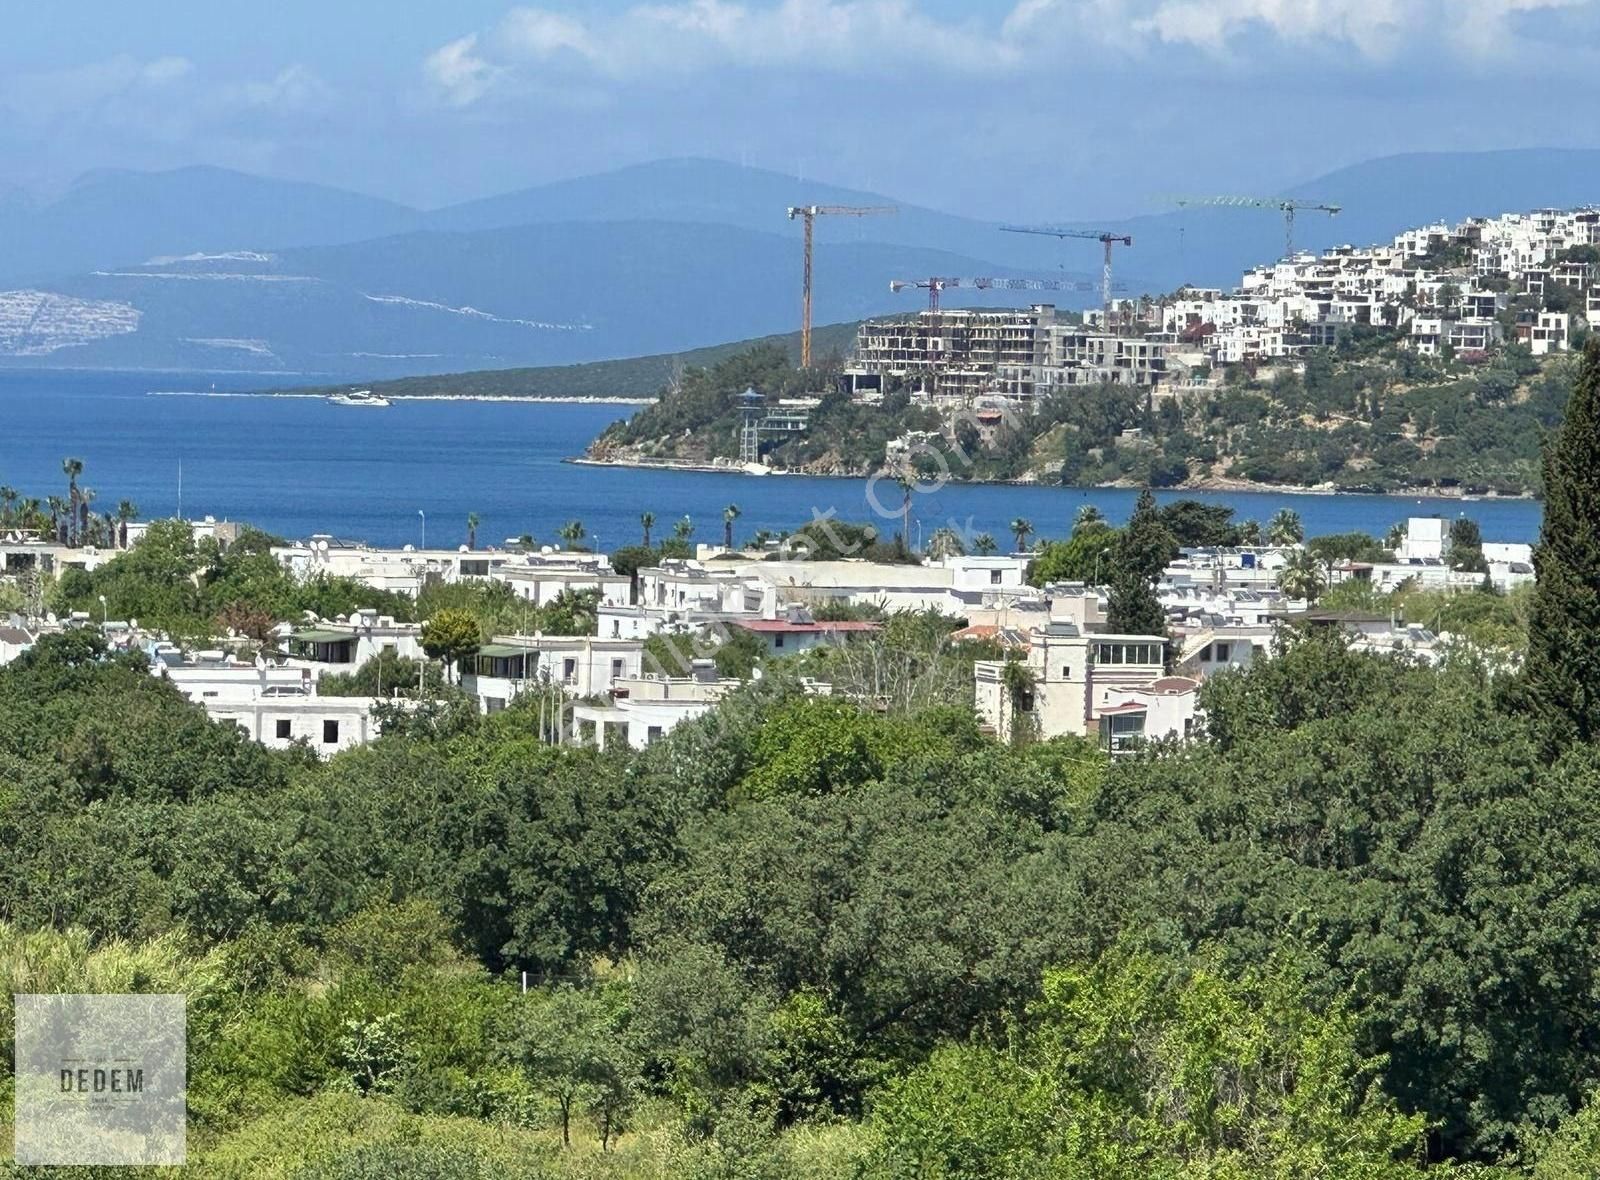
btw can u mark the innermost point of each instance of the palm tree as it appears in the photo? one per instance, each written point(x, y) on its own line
point(58, 508)
point(8, 500)
point(729, 515)
point(1302, 576)
point(1285, 528)
point(473, 521)
point(85, 498)
point(648, 520)
point(984, 544)
point(571, 532)
point(1088, 516)
point(1250, 532)
point(683, 529)
point(1022, 529)
point(1392, 540)
point(72, 468)
point(905, 484)
point(126, 511)
point(945, 542)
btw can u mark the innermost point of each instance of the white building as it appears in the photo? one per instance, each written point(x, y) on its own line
point(644, 708)
point(344, 644)
point(1076, 676)
point(276, 706)
point(579, 665)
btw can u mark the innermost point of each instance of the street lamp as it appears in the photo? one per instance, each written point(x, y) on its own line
point(1097, 558)
point(424, 516)
point(105, 612)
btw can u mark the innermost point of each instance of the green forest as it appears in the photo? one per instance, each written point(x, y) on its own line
point(1368, 415)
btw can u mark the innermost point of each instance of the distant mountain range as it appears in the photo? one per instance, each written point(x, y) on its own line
point(202, 268)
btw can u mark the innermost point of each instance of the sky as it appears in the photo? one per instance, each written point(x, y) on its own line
point(1004, 109)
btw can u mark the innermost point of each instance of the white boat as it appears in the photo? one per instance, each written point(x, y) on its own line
point(359, 397)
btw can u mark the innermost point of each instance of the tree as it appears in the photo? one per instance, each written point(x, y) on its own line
point(1088, 516)
point(1139, 1069)
point(683, 528)
point(1301, 576)
point(648, 520)
point(1562, 670)
point(570, 1045)
point(1250, 532)
point(729, 515)
point(1285, 528)
point(1022, 529)
point(945, 542)
point(126, 510)
point(572, 532)
point(1138, 557)
point(451, 636)
point(472, 530)
point(86, 497)
point(1466, 546)
point(1080, 558)
point(72, 468)
point(984, 544)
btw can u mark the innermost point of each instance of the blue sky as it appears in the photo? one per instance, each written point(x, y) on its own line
point(1001, 108)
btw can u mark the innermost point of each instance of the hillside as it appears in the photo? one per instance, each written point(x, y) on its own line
point(1369, 417)
point(631, 377)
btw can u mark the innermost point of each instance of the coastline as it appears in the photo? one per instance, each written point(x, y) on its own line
point(1215, 484)
point(565, 399)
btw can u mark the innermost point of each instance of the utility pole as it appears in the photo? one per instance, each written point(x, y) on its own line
point(809, 214)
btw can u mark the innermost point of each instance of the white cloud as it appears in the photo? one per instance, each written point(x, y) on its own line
point(294, 89)
point(458, 73)
point(668, 39)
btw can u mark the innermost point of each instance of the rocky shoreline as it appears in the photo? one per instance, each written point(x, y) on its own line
point(1208, 483)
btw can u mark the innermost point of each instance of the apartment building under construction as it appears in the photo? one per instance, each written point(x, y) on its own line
point(959, 355)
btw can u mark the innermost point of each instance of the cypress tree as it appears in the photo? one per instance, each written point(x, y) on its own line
point(1141, 552)
point(1561, 677)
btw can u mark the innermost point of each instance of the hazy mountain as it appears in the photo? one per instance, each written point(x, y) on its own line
point(714, 192)
point(657, 258)
point(116, 218)
point(554, 293)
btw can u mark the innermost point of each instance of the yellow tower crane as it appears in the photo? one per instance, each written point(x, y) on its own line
point(809, 214)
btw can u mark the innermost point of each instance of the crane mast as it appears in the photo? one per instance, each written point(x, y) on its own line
point(1105, 237)
point(809, 214)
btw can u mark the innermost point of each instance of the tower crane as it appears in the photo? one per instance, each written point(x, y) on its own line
point(809, 214)
point(1105, 237)
point(938, 283)
point(1287, 206)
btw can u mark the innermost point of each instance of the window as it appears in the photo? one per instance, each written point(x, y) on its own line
point(281, 728)
point(777, 641)
point(994, 577)
point(1066, 671)
point(1222, 653)
point(330, 732)
point(616, 669)
point(653, 734)
point(569, 669)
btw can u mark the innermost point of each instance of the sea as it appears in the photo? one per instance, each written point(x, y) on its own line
point(205, 445)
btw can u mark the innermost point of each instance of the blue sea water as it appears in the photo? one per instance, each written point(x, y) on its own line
point(295, 466)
